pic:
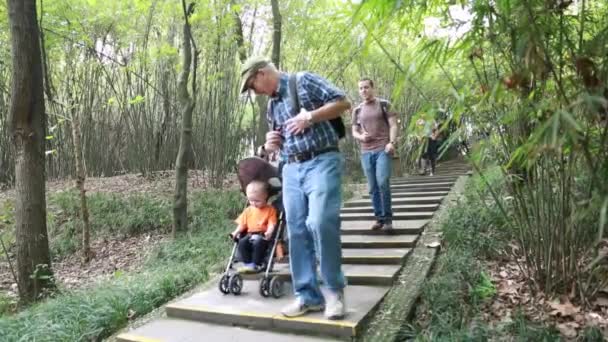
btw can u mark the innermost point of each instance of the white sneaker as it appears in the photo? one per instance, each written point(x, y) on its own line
point(335, 307)
point(299, 308)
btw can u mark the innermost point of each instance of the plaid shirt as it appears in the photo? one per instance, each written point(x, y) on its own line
point(313, 92)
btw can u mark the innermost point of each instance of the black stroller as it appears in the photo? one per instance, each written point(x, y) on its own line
point(271, 284)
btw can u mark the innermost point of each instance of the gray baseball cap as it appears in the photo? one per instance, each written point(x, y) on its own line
point(250, 68)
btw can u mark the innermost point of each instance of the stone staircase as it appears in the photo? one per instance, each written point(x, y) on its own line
point(371, 261)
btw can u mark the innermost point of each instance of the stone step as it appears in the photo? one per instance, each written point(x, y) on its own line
point(411, 227)
point(397, 201)
point(374, 256)
point(371, 256)
point(414, 194)
point(422, 188)
point(423, 185)
point(251, 310)
point(396, 216)
point(357, 274)
point(423, 179)
point(399, 208)
point(180, 330)
point(379, 241)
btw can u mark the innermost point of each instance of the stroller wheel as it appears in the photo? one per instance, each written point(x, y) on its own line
point(235, 284)
point(224, 284)
point(276, 287)
point(265, 287)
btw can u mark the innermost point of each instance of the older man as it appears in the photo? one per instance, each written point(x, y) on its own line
point(311, 178)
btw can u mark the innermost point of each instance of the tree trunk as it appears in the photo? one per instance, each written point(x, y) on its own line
point(180, 204)
point(276, 33)
point(240, 39)
point(262, 101)
point(80, 179)
point(164, 84)
point(28, 134)
point(262, 126)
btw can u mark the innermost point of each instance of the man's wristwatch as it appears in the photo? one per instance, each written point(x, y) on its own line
point(309, 118)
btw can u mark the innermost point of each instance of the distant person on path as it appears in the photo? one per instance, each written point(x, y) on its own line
point(375, 126)
point(429, 138)
point(312, 177)
point(431, 150)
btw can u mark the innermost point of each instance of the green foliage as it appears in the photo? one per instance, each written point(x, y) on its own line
point(526, 330)
point(176, 266)
point(7, 304)
point(7, 220)
point(452, 299)
point(111, 214)
point(484, 289)
point(592, 334)
point(527, 83)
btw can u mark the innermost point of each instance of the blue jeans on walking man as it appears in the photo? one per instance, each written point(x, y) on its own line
point(312, 197)
point(377, 166)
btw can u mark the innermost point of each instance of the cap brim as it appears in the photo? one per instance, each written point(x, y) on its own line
point(244, 87)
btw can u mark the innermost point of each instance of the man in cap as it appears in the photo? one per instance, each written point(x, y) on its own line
point(311, 178)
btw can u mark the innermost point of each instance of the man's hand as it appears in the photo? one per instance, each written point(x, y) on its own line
point(299, 123)
point(274, 140)
point(365, 137)
point(389, 148)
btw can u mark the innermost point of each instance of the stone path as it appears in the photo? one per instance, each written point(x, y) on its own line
point(371, 262)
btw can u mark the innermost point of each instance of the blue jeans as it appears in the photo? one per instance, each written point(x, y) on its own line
point(377, 167)
point(312, 197)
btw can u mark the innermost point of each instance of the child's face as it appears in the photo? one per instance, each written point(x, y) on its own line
point(257, 198)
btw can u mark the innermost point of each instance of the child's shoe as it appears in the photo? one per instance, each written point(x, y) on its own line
point(248, 268)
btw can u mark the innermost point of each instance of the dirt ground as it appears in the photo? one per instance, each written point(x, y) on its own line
point(111, 255)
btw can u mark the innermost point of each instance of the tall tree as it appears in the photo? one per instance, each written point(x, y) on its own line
point(262, 101)
point(80, 182)
point(188, 102)
point(27, 119)
point(276, 33)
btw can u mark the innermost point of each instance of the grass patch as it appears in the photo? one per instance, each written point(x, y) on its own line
point(94, 313)
point(452, 298)
point(110, 214)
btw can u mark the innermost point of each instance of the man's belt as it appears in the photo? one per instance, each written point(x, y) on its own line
point(304, 156)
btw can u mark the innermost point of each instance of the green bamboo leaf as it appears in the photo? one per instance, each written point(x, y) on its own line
point(136, 100)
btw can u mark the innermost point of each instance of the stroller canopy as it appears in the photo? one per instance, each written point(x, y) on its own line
point(255, 168)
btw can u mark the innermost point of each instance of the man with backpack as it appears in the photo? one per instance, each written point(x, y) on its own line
point(304, 114)
point(376, 129)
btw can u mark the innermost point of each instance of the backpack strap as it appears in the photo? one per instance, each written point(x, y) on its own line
point(336, 123)
point(293, 91)
point(357, 111)
point(384, 107)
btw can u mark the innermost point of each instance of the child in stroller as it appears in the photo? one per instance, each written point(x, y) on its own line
point(256, 225)
point(255, 233)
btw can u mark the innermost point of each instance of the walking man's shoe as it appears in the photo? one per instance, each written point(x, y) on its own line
point(388, 228)
point(377, 225)
point(299, 308)
point(335, 307)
